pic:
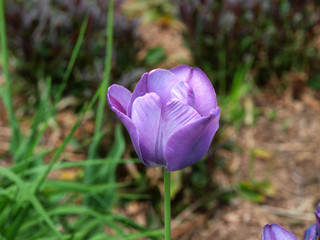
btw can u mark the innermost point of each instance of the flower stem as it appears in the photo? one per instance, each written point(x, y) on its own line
point(167, 207)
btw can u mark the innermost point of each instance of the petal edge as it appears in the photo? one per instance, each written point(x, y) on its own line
point(189, 144)
point(119, 97)
point(275, 231)
point(205, 95)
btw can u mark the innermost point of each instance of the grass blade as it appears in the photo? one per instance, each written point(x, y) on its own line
point(102, 97)
point(6, 92)
point(73, 58)
point(31, 198)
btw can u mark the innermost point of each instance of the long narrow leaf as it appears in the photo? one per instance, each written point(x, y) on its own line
point(6, 93)
point(31, 198)
point(102, 96)
point(73, 58)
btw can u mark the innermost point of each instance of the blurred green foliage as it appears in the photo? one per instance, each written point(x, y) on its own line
point(154, 56)
point(314, 81)
point(255, 191)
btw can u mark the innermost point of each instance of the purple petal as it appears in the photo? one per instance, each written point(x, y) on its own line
point(184, 93)
point(119, 97)
point(140, 90)
point(205, 96)
point(146, 114)
point(276, 232)
point(317, 213)
point(310, 233)
point(183, 72)
point(132, 130)
point(159, 81)
point(189, 144)
point(175, 115)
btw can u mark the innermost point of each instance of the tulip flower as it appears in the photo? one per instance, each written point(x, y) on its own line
point(276, 232)
point(171, 116)
point(317, 213)
point(311, 233)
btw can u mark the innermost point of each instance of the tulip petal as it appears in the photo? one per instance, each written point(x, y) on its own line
point(189, 144)
point(184, 93)
point(131, 128)
point(175, 115)
point(276, 232)
point(146, 114)
point(159, 81)
point(119, 97)
point(205, 96)
point(140, 90)
point(310, 233)
point(317, 213)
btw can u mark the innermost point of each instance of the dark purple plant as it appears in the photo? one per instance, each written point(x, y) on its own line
point(171, 116)
point(42, 35)
point(277, 34)
point(276, 232)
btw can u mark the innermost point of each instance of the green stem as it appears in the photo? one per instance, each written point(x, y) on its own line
point(167, 207)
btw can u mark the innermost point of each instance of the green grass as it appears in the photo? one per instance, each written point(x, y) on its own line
point(33, 206)
point(6, 91)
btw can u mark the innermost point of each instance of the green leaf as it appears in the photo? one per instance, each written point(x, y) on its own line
point(59, 186)
point(31, 198)
point(155, 56)
point(255, 191)
point(314, 82)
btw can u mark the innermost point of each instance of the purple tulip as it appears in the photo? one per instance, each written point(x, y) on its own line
point(310, 233)
point(171, 116)
point(317, 213)
point(276, 232)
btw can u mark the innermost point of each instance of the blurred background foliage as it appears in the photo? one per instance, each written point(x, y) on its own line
point(243, 46)
point(41, 35)
point(276, 35)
